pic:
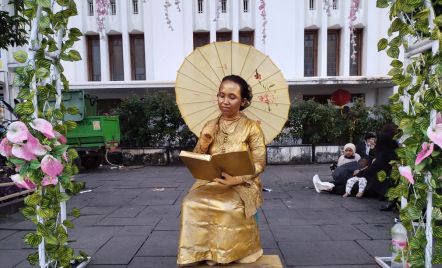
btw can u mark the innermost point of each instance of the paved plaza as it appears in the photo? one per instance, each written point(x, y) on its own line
point(127, 222)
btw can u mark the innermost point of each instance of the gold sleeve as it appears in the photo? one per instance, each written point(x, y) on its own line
point(197, 148)
point(258, 149)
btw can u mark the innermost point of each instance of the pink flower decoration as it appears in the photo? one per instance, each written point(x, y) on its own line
point(427, 149)
point(48, 180)
point(434, 133)
point(20, 150)
point(62, 138)
point(17, 132)
point(406, 172)
point(44, 127)
point(438, 118)
point(5, 147)
point(23, 182)
point(35, 147)
point(51, 166)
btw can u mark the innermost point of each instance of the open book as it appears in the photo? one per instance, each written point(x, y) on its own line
point(208, 167)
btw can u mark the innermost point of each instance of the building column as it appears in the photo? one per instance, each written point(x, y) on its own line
point(370, 59)
point(235, 19)
point(345, 46)
point(322, 42)
point(258, 44)
point(187, 11)
point(104, 58)
point(126, 42)
point(299, 21)
point(211, 8)
point(148, 40)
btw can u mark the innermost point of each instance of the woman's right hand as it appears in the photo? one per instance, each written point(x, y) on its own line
point(207, 136)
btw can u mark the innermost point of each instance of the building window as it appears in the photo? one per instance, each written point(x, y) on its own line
point(333, 52)
point(116, 58)
point(245, 5)
point(224, 6)
point(246, 38)
point(200, 6)
point(113, 7)
point(223, 36)
point(335, 4)
point(135, 6)
point(355, 69)
point(201, 39)
point(137, 57)
point(93, 57)
point(310, 53)
point(311, 4)
point(90, 5)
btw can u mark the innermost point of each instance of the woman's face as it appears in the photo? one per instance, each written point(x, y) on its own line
point(229, 99)
point(348, 152)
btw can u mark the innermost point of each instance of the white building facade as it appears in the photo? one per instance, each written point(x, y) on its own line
point(139, 51)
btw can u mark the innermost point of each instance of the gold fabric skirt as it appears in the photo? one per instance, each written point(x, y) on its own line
point(214, 226)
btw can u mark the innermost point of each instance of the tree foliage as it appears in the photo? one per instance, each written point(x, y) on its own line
point(153, 120)
point(12, 27)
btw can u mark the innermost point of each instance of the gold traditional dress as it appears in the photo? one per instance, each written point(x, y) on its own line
point(217, 221)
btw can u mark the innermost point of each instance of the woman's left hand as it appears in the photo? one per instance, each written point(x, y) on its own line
point(229, 180)
point(355, 172)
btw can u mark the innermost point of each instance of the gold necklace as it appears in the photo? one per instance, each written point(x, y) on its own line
point(229, 129)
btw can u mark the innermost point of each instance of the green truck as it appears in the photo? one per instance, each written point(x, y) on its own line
point(94, 135)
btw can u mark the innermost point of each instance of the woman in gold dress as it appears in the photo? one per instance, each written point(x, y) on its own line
point(217, 218)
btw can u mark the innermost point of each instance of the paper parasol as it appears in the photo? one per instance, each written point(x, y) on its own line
point(200, 76)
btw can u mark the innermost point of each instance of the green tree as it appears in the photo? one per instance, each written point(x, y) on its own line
point(12, 28)
point(153, 120)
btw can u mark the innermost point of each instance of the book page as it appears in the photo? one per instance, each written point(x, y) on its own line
point(205, 157)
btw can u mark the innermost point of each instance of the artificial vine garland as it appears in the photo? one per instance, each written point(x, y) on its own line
point(264, 20)
point(418, 172)
point(353, 10)
point(36, 146)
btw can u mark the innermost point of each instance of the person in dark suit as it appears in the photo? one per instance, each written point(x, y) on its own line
point(366, 148)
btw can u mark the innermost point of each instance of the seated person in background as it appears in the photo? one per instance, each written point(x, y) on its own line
point(341, 175)
point(345, 172)
point(349, 155)
point(365, 149)
point(362, 181)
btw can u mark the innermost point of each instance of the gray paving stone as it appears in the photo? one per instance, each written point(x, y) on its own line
point(267, 239)
point(85, 220)
point(338, 266)
point(312, 253)
point(343, 232)
point(15, 241)
point(127, 212)
point(91, 210)
point(273, 204)
point(375, 217)
point(311, 216)
point(171, 224)
point(135, 230)
point(12, 257)
point(128, 221)
point(163, 211)
point(105, 266)
point(153, 262)
point(160, 244)
point(91, 237)
point(167, 197)
point(118, 250)
point(310, 202)
point(375, 231)
point(299, 233)
point(376, 248)
point(23, 225)
point(6, 233)
point(150, 184)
